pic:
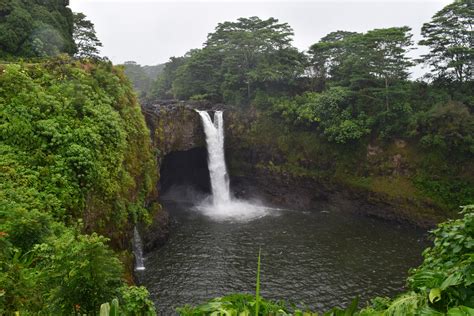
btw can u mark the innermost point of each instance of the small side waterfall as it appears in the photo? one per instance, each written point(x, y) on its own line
point(216, 160)
point(138, 250)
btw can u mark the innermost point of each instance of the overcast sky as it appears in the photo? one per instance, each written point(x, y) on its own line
point(151, 31)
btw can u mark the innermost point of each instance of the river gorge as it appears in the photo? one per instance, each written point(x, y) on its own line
point(321, 252)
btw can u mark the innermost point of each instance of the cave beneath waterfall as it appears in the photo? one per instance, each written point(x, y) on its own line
point(184, 174)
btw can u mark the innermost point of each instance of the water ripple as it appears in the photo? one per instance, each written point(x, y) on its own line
point(313, 259)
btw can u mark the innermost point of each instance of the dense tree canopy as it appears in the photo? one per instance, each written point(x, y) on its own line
point(449, 36)
point(356, 59)
point(237, 61)
point(327, 55)
point(35, 28)
point(200, 75)
point(256, 54)
point(164, 82)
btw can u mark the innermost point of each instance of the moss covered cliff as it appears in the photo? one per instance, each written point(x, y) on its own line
point(293, 166)
point(74, 144)
point(76, 161)
point(395, 180)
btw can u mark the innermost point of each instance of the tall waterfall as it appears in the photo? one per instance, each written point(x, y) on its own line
point(216, 161)
point(138, 250)
point(222, 206)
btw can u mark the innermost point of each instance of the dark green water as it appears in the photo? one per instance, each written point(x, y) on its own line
point(317, 259)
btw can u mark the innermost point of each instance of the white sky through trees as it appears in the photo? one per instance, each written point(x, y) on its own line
point(151, 31)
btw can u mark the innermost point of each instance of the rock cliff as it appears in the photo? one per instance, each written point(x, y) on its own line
point(295, 168)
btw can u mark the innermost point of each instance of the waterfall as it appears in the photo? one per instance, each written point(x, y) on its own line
point(222, 207)
point(216, 161)
point(138, 250)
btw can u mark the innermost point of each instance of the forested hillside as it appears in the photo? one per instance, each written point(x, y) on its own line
point(143, 77)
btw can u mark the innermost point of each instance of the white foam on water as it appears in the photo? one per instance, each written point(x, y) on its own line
point(234, 210)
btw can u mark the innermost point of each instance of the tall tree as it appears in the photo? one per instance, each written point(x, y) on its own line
point(200, 76)
point(328, 54)
point(362, 61)
point(255, 53)
point(84, 35)
point(385, 51)
point(451, 40)
point(162, 87)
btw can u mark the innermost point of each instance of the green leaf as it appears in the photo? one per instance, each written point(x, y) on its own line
point(114, 308)
point(453, 279)
point(435, 295)
point(352, 308)
point(428, 311)
point(461, 311)
point(105, 309)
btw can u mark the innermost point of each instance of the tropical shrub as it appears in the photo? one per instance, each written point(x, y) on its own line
point(329, 111)
point(135, 301)
point(79, 272)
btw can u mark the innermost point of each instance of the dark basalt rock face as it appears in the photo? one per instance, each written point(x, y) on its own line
point(173, 127)
point(263, 166)
point(178, 139)
point(156, 234)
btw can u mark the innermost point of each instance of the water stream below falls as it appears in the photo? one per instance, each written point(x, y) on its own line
point(319, 258)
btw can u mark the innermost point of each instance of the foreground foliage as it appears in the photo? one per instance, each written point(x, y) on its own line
point(442, 285)
point(133, 301)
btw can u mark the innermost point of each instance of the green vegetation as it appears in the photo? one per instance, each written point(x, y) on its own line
point(239, 61)
point(441, 285)
point(77, 168)
point(143, 77)
point(76, 161)
point(330, 110)
point(35, 28)
point(74, 147)
point(85, 38)
point(449, 36)
point(134, 301)
point(350, 92)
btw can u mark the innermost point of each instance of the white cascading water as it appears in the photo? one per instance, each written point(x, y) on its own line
point(223, 207)
point(138, 250)
point(216, 161)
